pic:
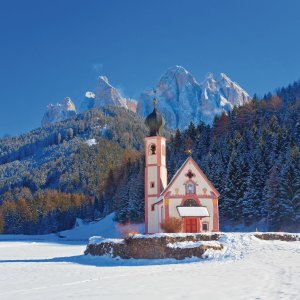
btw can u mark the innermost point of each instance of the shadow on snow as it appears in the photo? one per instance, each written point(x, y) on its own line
point(104, 261)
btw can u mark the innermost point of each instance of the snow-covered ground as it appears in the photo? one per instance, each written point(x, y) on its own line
point(49, 268)
point(91, 142)
point(105, 227)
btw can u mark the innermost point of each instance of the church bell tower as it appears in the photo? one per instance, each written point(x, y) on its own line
point(155, 168)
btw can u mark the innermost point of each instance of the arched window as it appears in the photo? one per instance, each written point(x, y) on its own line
point(152, 149)
point(190, 188)
point(190, 203)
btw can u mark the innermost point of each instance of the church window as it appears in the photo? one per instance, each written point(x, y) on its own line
point(152, 149)
point(190, 188)
point(190, 203)
point(152, 184)
point(205, 226)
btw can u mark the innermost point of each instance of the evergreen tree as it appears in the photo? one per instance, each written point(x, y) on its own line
point(253, 204)
point(272, 198)
point(290, 191)
point(191, 131)
point(231, 191)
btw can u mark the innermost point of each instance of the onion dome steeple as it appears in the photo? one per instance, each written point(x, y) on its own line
point(155, 121)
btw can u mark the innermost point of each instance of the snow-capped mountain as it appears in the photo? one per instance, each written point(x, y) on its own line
point(59, 112)
point(105, 95)
point(181, 99)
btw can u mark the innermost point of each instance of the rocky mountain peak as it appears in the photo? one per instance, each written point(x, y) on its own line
point(209, 82)
point(59, 112)
point(177, 75)
point(106, 94)
point(103, 80)
point(181, 99)
point(68, 104)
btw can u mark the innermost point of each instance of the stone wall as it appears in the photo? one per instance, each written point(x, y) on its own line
point(288, 237)
point(155, 247)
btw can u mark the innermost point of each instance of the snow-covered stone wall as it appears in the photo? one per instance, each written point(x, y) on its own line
point(156, 246)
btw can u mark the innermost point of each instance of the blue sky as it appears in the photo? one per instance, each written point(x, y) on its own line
point(58, 48)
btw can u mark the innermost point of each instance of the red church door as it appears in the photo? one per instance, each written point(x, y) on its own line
point(190, 225)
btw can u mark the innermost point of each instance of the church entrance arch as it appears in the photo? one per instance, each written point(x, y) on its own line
point(190, 203)
point(191, 224)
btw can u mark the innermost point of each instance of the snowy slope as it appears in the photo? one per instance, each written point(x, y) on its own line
point(105, 227)
point(248, 268)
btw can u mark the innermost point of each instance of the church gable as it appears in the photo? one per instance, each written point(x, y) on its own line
point(190, 179)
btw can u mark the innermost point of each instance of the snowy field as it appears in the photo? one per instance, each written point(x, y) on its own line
point(248, 268)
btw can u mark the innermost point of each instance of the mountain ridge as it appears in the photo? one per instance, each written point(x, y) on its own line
point(181, 98)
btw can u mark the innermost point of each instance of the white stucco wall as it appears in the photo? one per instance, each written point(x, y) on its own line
point(200, 181)
point(152, 216)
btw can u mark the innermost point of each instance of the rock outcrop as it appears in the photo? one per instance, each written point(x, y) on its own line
point(88, 102)
point(106, 95)
point(59, 112)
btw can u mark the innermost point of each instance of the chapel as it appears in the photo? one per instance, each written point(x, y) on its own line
point(189, 195)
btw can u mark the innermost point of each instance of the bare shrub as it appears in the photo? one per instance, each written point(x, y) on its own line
point(128, 230)
point(172, 225)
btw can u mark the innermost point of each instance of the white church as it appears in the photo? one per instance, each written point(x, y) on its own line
point(189, 195)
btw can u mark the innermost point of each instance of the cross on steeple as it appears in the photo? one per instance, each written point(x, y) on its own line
point(154, 99)
point(154, 102)
point(189, 152)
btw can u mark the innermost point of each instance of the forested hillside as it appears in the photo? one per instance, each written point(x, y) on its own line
point(93, 164)
point(70, 169)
